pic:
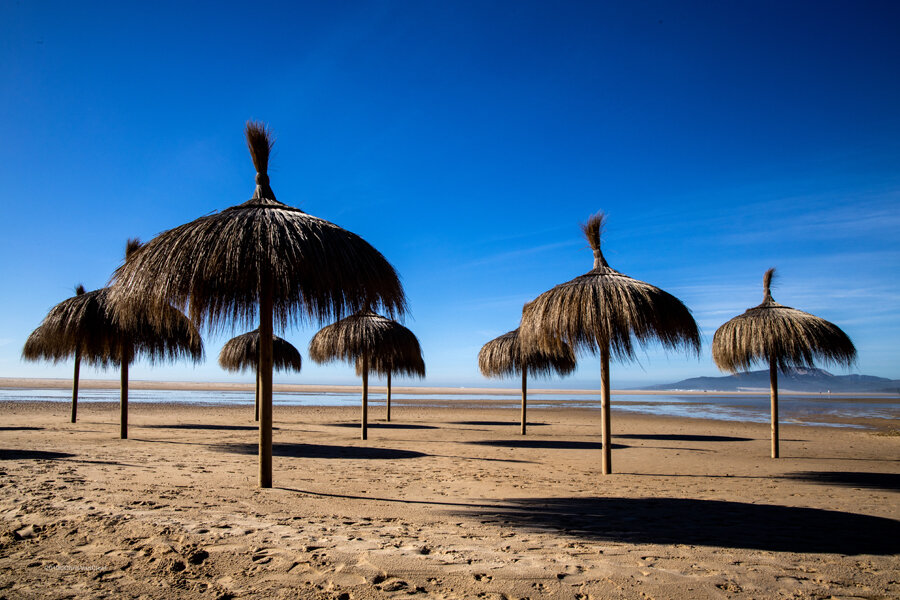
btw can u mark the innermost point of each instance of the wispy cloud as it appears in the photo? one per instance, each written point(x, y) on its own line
point(516, 255)
point(813, 217)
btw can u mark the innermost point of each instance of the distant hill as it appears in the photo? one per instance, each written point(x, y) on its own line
point(797, 380)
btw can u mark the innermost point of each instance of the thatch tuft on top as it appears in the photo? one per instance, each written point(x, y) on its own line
point(503, 356)
point(785, 335)
point(604, 308)
point(241, 353)
point(214, 267)
point(260, 142)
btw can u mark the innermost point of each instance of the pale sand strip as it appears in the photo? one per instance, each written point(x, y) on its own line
point(441, 503)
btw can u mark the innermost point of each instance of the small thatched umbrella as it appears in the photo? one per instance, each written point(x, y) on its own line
point(782, 337)
point(374, 343)
point(88, 326)
point(599, 312)
point(503, 356)
point(40, 346)
point(261, 260)
point(242, 352)
point(401, 355)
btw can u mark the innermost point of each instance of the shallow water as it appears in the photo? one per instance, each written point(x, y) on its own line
point(805, 410)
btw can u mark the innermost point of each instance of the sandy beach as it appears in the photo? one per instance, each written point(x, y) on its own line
point(440, 503)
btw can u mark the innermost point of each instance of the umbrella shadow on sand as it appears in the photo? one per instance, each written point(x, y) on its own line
point(876, 481)
point(545, 444)
point(382, 425)
point(704, 523)
point(322, 451)
point(205, 426)
point(8, 454)
point(679, 437)
point(495, 423)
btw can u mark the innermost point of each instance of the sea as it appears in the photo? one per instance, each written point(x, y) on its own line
point(821, 410)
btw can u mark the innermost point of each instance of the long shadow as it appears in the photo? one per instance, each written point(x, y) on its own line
point(889, 460)
point(704, 523)
point(547, 444)
point(322, 451)
point(6, 454)
point(382, 425)
point(205, 426)
point(496, 423)
point(20, 428)
point(876, 481)
point(391, 500)
point(679, 437)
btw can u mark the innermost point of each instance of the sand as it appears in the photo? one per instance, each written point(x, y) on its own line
point(440, 503)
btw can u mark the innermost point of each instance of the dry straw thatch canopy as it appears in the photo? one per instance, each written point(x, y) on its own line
point(242, 352)
point(600, 312)
point(44, 342)
point(214, 267)
point(604, 309)
point(772, 331)
point(260, 258)
point(388, 344)
point(781, 337)
point(504, 356)
point(375, 344)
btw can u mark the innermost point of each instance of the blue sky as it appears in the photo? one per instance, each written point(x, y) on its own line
point(467, 141)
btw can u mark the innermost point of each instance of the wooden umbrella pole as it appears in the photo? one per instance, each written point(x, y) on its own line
point(256, 394)
point(265, 380)
point(605, 413)
point(123, 393)
point(773, 383)
point(75, 385)
point(389, 396)
point(365, 395)
point(524, 398)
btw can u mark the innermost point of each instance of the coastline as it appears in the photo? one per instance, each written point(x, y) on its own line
point(137, 384)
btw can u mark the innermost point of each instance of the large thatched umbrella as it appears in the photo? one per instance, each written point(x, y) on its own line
point(781, 337)
point(41, 345)
point(374, 343)
point(261, 260)
point(88, 326)
point(503, 356)
point(599, 312)
point(242, 352)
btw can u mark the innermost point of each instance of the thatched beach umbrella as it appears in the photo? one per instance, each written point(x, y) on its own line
point(600, 312)
point(374, 343)
point(781, 337)
point(88, 326)
point(242, 352)
point(261, 260)
point(503, 356)
point(41, 345)
point(402, 355)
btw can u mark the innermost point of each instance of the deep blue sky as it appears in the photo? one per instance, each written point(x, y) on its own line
point(467, 141)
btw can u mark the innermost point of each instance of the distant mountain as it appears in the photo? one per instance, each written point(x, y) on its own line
point(796, 380)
